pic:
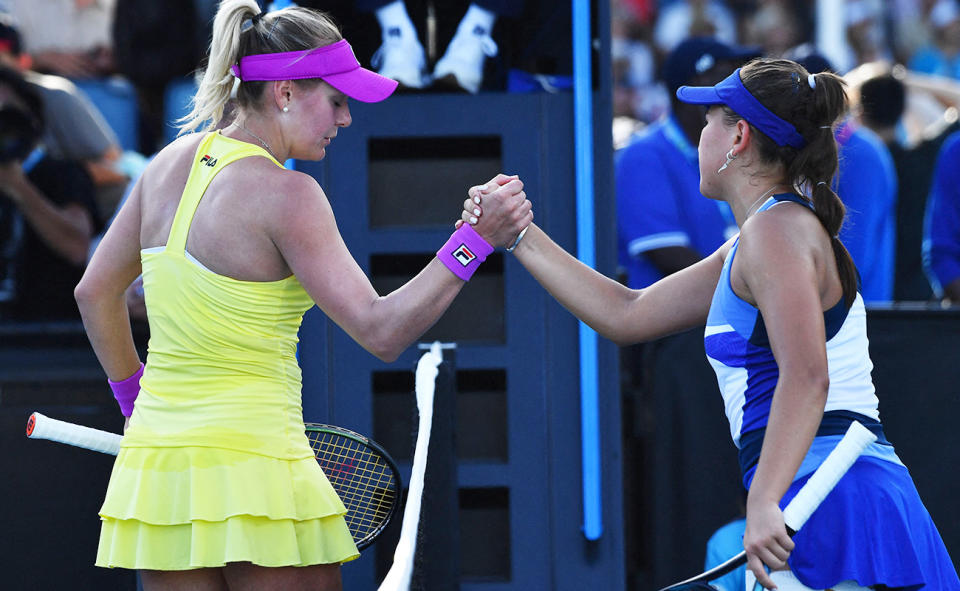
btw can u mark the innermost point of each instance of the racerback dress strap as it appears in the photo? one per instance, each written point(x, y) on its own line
point(213, 154)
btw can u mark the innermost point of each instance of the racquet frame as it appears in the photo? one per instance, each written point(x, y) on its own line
point(357, 467)
point(806, 501)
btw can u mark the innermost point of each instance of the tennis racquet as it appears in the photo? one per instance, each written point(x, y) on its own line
point(361, 472)
point(802, 506)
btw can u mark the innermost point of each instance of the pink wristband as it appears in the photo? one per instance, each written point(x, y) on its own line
point(126, 391)
point(464, 252)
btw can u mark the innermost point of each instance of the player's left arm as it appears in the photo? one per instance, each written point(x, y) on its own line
point(101, 292)
point(778, 268)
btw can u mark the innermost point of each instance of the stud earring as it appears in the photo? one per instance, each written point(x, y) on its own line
point(286, 109)
point(730, 158)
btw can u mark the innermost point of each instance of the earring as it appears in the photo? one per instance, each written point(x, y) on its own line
point(730, 158)
point(286, 109)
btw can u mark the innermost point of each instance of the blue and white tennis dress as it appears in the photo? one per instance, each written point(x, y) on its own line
point(873, 527)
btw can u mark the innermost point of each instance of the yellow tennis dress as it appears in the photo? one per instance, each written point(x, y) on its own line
point(215, 466)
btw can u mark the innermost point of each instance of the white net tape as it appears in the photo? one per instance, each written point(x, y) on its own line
point(398, 578)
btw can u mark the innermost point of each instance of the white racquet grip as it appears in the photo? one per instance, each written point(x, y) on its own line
point(856, 439)
point(40, 426)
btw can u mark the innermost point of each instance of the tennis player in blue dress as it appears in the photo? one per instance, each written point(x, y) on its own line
point(785, 332)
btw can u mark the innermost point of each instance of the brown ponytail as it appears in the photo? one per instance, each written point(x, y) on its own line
point(785, 88)
point(831, 211)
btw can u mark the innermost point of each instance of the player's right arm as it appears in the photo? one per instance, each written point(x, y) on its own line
point(305, 232)
point(621, 314)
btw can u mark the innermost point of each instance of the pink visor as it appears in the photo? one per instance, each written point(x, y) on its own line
point(335, 64)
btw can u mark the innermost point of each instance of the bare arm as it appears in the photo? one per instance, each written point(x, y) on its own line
point(623, 315)
point(66, 230)
point(307, 236)
point(101, 292)
point(778, 267)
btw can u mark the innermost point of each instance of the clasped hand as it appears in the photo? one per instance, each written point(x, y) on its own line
point(498, 210)
point(766, 540)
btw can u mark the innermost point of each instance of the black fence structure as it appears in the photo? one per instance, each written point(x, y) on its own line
point(680, 477)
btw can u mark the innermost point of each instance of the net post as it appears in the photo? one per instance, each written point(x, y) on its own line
point(437, 558)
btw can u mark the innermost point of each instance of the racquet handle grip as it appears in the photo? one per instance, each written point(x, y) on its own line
point(856, 439)
point(40, 426)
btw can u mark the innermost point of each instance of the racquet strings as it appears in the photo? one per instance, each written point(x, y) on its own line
point(362, 478)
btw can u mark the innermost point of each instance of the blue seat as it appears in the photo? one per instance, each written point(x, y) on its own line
point(116, 98)
point(176, 104)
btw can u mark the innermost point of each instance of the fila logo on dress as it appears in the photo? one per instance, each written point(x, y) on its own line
point(208, 160)
point(464, 255)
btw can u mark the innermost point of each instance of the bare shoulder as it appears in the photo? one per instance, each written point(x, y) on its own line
point(783, 250)
point(294, 199)
point(785, 231)
point(172, 162)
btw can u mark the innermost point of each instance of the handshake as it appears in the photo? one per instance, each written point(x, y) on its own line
point(498, 211)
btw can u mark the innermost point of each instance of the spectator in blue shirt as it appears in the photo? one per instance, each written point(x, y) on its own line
point(942, 243)
point(867, 184)
point(724, 544)
point(664, 223)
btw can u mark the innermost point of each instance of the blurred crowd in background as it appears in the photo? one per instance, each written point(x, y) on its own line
point(901, 61)
point(91, 89)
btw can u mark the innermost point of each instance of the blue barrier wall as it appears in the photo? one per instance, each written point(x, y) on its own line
point(516, 360)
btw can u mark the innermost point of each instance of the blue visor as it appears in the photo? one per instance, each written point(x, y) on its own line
point(731, 92)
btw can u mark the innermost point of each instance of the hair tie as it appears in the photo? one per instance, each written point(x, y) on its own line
point(821, 183)
point(251, 22)
point(812, 80)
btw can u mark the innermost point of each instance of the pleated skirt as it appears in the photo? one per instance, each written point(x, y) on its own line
point(873, 529)
point(180, 508)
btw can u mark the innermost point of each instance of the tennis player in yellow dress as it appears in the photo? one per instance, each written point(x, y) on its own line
point(215, 486)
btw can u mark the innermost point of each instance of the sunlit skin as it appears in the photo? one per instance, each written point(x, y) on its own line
point(743, 192)
point(260, 222)
point(314, 116)
point(784, 266)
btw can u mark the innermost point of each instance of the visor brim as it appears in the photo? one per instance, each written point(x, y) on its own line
point(363, 85)
point(699, 95)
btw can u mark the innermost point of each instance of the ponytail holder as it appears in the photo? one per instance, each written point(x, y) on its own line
point(256, 18)
point(821, 183)
point(812, 80)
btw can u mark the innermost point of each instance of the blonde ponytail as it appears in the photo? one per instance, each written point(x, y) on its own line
point(289, 29)
point(217, 82)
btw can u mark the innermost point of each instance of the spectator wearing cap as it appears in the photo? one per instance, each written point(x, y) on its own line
point(664, 223)
point(867, 184)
